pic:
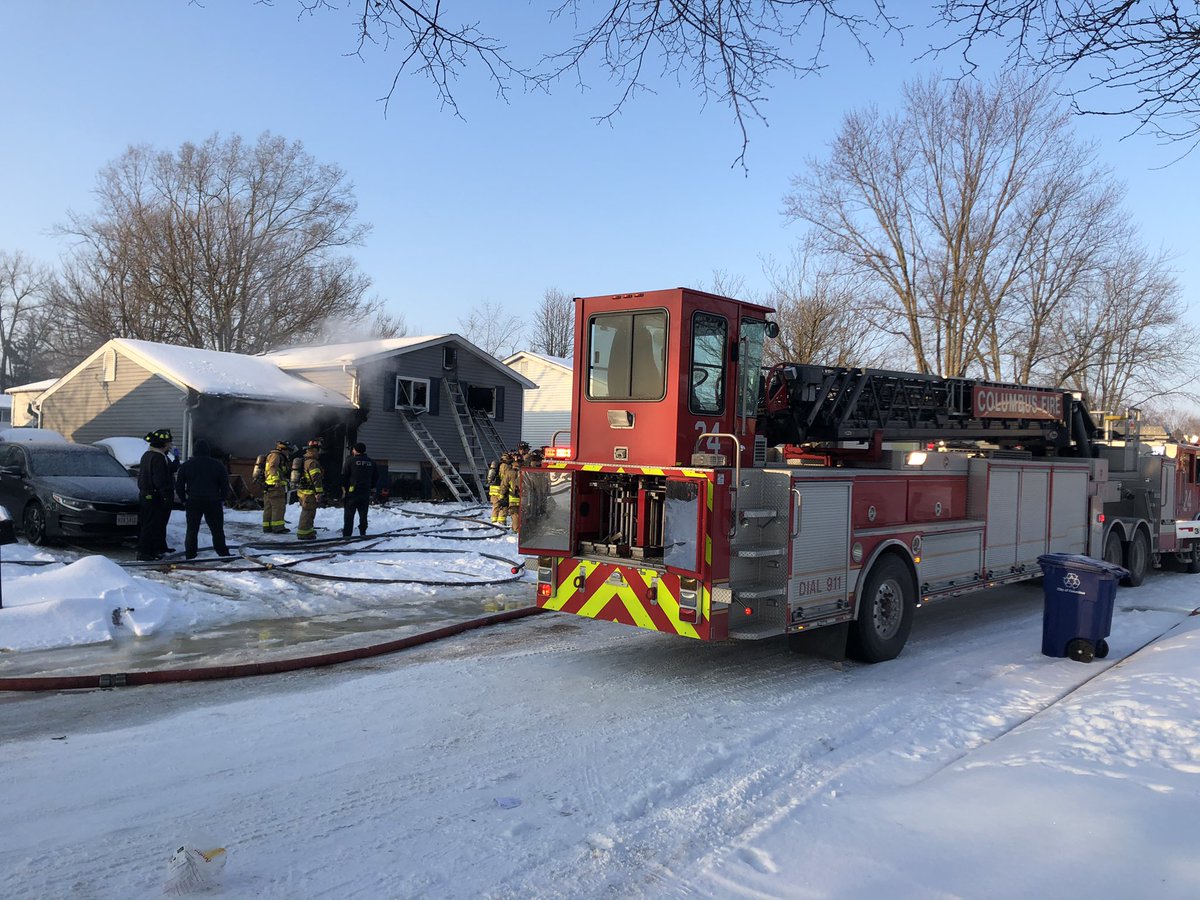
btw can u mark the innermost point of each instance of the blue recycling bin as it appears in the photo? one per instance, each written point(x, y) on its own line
point(1078, 594)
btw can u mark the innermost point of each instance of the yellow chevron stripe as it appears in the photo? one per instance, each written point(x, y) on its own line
point(592, 467)
point(669, 604)
point(566, 591)
point(652, 471)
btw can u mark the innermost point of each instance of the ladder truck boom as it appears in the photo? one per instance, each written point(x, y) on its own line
point(807, 403)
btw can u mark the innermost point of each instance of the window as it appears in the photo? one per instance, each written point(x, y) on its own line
point(412, 393)
point(627, 356)
point(449, 357)
point(709, 339)
point(754, 332)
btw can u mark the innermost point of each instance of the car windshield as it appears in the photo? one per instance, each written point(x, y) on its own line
point(74, 462)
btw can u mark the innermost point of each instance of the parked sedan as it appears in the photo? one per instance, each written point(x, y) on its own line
point(67, 491)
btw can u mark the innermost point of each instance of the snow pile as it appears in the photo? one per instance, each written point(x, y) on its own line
point(87, 602)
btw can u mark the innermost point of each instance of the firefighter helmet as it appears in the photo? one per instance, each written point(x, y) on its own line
point(523, 447)
point(315, 442)
point(159, 438)
point(285, 446)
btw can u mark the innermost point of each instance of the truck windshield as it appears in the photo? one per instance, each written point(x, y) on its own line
point(627, 355)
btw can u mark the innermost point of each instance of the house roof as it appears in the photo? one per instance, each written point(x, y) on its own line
point(218, 374)
point(357, 353)
point(557, 361)
point(32, 387)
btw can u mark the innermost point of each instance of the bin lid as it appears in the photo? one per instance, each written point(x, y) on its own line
point(1082, 563)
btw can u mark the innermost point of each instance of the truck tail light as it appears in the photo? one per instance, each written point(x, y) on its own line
point(547, 575)
point(556, 453)
point(689, 600)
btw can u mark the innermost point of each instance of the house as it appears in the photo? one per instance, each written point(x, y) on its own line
point(547, 409)
point(432, 408)
point(24, 401)
point(241, 404)
point(6, 403)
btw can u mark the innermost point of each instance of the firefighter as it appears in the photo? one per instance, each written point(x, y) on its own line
point(309, 482)
point(493, 486)
point(360, 477)
point(203, 486)
point(156, 496)
point(536, 488)
point(523, 453)
point(500, 503)
point(510, 492)
point(275, 469)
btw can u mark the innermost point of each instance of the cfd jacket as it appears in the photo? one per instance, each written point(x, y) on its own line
point(154, 477)
point(202, 479)
point(360, 475)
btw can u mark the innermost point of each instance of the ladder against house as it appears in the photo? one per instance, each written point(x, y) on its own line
point(487, 430)
point(463, 420)
point(454, 482)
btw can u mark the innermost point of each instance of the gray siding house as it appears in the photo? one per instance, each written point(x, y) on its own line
point(547, 409)
point(432, 408)
point(241, 404)
point(24, 401)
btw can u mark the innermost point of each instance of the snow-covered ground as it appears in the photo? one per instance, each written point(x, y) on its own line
point(60, 598)
point(561, 757)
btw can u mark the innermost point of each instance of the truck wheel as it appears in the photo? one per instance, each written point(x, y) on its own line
point(1113, 552)
point(1138, 561)
point(885, 612)
point(34, 523)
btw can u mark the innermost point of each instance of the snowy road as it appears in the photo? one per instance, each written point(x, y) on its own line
point(560, 757)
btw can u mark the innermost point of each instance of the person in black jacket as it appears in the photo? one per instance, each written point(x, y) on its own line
point(203, 485)
point(360, 476)
point(156, 496)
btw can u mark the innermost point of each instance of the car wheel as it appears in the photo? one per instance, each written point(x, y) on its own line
point(34, 524)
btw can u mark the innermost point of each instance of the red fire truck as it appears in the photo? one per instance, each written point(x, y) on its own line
point(707, 496)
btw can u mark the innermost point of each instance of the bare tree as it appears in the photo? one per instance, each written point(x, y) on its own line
point(24, 289)
point(733, 51)
point(224, 245)
point(1124, 336)
point(1180, 419)
point(491, 328)
point(1147, 53)
point(553, 327)
point(729, 51)
point(819, 312)
point(941, 206)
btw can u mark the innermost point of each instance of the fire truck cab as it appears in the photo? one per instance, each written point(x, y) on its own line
point(708, 497)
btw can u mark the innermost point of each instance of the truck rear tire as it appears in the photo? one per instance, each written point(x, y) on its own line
point(885, 612)
point(1137, 559)
point(1113, 551)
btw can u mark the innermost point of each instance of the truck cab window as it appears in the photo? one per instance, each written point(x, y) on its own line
point(751, 340)
point(627, 355)
point(710, 335)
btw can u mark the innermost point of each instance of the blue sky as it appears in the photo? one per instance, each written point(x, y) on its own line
point(496, 208)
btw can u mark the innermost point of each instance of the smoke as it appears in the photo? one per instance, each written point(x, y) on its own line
point(245, 429)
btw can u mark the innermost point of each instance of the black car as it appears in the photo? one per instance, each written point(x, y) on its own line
point(67, 490)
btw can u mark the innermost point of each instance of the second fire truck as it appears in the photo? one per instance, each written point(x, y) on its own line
point(705, 496)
